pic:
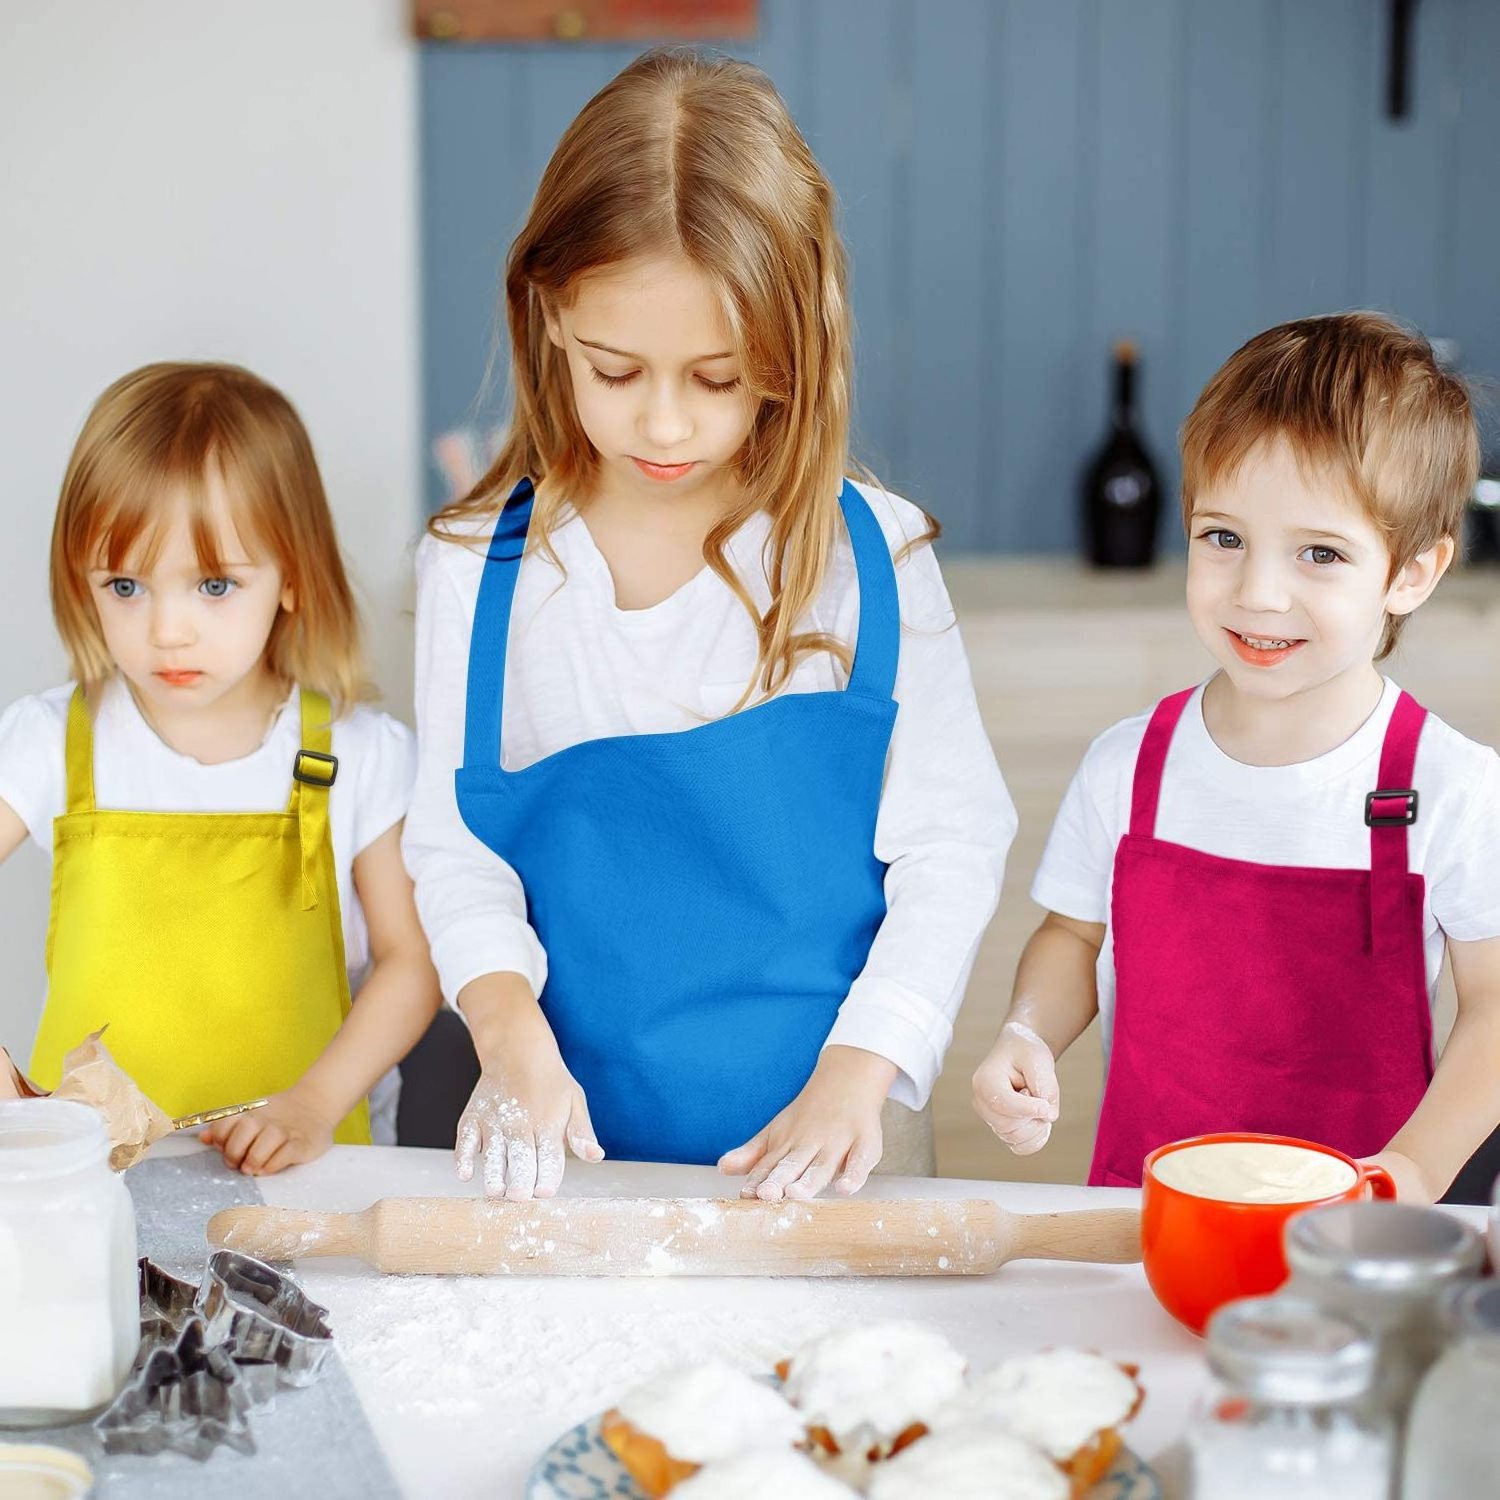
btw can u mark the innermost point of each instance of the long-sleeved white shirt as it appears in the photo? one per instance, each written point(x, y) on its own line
point(580, 668)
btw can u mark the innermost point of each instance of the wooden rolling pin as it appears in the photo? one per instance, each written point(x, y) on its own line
point(681, 1236)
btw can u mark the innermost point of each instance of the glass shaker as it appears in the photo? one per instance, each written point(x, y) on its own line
point(1387, 1266)
point(1494, 1229)
point(1453, 1433)
point(1290, 1415)
point(70, 1319)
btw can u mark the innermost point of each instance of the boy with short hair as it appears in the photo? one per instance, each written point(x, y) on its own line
point(1254, 884)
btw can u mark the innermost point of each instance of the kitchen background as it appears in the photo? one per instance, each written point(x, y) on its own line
point(308, 190)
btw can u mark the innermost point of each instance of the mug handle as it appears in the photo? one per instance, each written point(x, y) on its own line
point(1380, 1182)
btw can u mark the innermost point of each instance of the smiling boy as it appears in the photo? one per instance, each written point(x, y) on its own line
point(1254, 884)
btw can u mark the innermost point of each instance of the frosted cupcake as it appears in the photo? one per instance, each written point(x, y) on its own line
point(665, 1430)
point(872, 1390)
point(754, 1476)
point(969, 1464)
point(1065, 1402)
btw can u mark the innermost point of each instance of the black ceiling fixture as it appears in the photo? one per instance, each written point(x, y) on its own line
point(1398, 60)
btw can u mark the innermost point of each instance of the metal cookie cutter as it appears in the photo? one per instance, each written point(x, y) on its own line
point(166, 1306)
point(263, 1316)
point(187, 1397)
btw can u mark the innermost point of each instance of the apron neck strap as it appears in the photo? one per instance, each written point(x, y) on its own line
point(1389, 810)
point(1151, 760)
point(875, 652)
point(485, 708)
point(878, 646)
point(313, 772)
point(79, 756)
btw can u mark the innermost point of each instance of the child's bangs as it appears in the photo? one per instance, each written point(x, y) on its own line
point(1212, 456)
point(130, 525)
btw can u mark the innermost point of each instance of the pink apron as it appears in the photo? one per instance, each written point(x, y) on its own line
point(1263, 997)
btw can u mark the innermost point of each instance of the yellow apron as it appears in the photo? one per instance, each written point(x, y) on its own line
point(210, 943)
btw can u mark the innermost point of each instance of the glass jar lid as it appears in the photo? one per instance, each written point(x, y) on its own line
point(1288, 1350)
point(1383, 1246)
point(43, 1473)
point(45, 1137)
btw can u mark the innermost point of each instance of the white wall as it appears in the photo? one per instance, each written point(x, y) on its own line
point(180, 180)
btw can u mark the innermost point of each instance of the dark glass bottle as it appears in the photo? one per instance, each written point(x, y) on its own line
point(1121, 492)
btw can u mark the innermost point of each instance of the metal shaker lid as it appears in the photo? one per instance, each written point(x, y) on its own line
point(1473, 1309)
point(1288, 1350)
point(1396, 1247)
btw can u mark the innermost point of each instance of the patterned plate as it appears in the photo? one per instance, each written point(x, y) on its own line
point(578, 1466)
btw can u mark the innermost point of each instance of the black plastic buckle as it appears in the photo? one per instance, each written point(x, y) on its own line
point(331, 761)
point(1388, 820)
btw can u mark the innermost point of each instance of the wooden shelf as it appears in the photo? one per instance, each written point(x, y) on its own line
point(645, 21)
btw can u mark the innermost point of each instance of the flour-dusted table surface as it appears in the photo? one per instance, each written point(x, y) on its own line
point(466, 1380)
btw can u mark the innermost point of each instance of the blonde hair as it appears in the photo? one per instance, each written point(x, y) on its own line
point(1360, 397)
point(154, 435)
point(694, 155)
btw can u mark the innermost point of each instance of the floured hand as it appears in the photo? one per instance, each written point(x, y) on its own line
point(520, 1120)
point(830, 1133)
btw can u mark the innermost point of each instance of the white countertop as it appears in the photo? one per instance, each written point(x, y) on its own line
point(466, 1380)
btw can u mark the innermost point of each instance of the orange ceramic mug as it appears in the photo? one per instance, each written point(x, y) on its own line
point(1201, 1252)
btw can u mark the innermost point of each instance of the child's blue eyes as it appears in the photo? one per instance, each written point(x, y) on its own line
point(130, 588)
point(1231, 541)
point(717, 386)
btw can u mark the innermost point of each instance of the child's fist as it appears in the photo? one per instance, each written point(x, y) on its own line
point(282, 1133)
point(1015, 1089)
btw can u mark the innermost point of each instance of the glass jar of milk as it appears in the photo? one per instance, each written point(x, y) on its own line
point(69, 1287)
point(1289, 1416)
point(1453, 1437)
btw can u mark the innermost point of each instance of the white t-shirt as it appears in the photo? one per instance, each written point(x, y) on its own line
point(581, 668)
point(135, 769)
point(1310, 814)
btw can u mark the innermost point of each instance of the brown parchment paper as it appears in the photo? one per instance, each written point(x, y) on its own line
point(91, 1076)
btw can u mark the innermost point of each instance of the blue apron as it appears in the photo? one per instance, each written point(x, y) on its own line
point(706, 897)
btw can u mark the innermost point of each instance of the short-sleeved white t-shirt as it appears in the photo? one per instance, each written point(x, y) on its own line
point(1310, 814)
point(134, 769)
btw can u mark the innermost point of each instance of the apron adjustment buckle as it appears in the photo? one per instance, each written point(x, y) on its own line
point(309, 768)
point(1387, 818)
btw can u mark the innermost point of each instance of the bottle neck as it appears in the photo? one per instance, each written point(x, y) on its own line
point(1123, 410)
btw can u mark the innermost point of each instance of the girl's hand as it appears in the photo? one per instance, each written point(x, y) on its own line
point(518, 1118)
point(292, 1128)
point(1411, 1182)
point(830, 1130)
point(1015, 1089)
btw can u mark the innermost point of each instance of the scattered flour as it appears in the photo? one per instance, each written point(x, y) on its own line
point(494, 1350)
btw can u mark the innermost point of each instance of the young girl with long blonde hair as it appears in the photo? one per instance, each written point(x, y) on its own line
point(706, 827)
point(223, 818)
